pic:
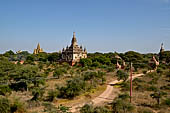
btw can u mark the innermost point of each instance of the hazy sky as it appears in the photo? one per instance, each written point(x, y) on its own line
point(100, 25)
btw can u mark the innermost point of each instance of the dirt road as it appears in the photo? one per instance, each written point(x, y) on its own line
point(107, 96)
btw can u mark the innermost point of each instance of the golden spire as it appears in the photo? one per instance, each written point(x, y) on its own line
point(74, 40)
point(38, 46)
point(74, 35)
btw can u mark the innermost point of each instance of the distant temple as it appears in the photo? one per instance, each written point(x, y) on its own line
point(38, 50)
point(73, 53)
point(162, 48)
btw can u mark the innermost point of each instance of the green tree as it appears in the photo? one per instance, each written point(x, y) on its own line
point(86, 62)
point(122, 75)
point(9, 53)
point(53, 57)
point(122, 105)
point(73, 88)
point(31, 58)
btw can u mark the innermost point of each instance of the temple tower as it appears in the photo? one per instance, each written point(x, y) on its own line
point(162, 48)
point(74, 52)
point(38, 50)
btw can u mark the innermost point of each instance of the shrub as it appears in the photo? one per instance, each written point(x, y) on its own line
point(95, 64)
point(91, 109)
point(4, 89)
point(152, 88)
point(87, 109)
point(4, 105)
point(52, 94)
point(37, 94)
point(121, 104)
point(145, 110)
point(73, 88)
point(58, 72)
point(167, 102)
point(50, 108)
point(18, 107)
point(122, 75)
point(110, 69)
point(125, 86)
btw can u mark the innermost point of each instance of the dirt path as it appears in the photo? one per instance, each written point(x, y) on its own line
point(107, 96)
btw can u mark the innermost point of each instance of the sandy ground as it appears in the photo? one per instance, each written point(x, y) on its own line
point(107, 96)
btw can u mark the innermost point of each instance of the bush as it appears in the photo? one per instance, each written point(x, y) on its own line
point(50, 108)
point(125, 86)
point(86, 109)
point(95, 64)
point(58, 72)
point(110, 69)
point(145, 110)
point(4, 105)
point(4, 89)
point(73, 88)
point(122, 75)
point(91, 109)
point(152, 88)
point(167, 102)
point(37, 94)
point(52, 94)
point(121, 104)
point(159, 70)
point(18, 107)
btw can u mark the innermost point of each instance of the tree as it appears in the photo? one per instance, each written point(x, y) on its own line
point(73, 88)
point(31, 58)
point(86, 62)
point(23, 55)
point(42, 56)
point(122, 75)
point(121, 104)
point(9, 53)
point(132, 56)
point(53, 57)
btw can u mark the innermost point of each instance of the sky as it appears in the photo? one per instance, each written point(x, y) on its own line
point(100, 25)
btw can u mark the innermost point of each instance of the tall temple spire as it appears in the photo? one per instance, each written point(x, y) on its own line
point(74, 40)
point(162, 48)
point(74, 35)
point(38, 50)
point(38, 46)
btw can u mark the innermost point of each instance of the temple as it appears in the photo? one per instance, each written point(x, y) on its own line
point(162, 48)
point(74, 53)
point(38, 50)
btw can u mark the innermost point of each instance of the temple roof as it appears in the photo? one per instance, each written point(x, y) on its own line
point(74, 40)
